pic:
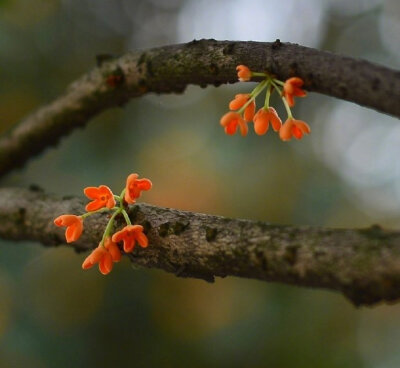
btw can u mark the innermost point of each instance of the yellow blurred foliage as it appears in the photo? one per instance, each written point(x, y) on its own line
point(60, 294)
point(14, 105)
point(5, 303)
point(25, 13)
point(193, 309)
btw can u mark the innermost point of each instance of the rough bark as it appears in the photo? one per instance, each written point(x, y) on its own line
point(170, 69)
point(363, 264)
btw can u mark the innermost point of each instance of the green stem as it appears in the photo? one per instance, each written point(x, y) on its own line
point(275, 85)
point(127, 219)
point(109, 226)
point(267, 96)
point(258, 74)
point(104, 209)
point(122, 195)
point(253, 95)
point(289, 112)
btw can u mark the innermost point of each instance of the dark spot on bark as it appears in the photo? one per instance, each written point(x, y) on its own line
point(35, 188)
point(374, 232)
point(116, 78)
point(264, 264)
point(291, 254)
point(146, 226)
point(21, 215)
point(318, 253)
point(214, 68)
point(277, 44)
point(67, 197)
point(228, 49)
point(343, 91)
point(179, 227)
point(163, 230)
point(133, 212)
point(375, 84)
point(142, 59)
point(180, 271)
point(192, 43)
point(293, 69)
point(203, 85)
point(102, 58)
point(211, 234)
point(149, 66)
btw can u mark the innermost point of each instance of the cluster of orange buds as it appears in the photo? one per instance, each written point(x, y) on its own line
point(245, 106)
point(103, 199)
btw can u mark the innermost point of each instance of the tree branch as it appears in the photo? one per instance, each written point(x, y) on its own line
point(363, 264)
point(170, 69)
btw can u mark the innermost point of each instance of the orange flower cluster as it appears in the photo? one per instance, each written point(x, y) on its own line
point(103, 199)
point(245, 107)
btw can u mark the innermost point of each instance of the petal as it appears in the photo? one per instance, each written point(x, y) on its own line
point(111, 202)
point(74, 231)
point(297, 133)
point(239, 101)
point(249, 112)
point(94, 206)
point(295, 81)
point(142, 240)
point(106, 264)
point(261, 124)
point(243, 128)
point(113, 249)
point(129, 244)
point(97, 254)
point(91, 192)
point(276, 121)
point(115, 252)
point(87, 263)
point(303, 126)
point(289, 99)
point(92, 258)
point(231, 128)
point(144, 184)
point(105, 190)
point(229, 117)
point(299, 92)
point(66, 220)
point(119, 235)
point(285, 133)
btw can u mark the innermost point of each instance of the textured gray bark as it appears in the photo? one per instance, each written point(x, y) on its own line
point(363, 264)
point(170, 69)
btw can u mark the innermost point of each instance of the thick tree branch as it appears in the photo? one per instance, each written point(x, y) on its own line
point(170, 69)
point(363, 264)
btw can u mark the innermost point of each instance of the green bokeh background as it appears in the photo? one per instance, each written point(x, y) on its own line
point(52, 314)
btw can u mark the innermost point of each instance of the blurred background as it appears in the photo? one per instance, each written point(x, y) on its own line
point(345, 174)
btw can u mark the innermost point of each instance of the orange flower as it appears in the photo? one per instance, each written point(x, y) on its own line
point(231, 120)
point(292, 88)
point(74, 226)
point(262, 119)
point(293, 127)
point(102, 197)
point(101, 256)
point(113, 249)
point(134, 186)
point(238, 102)
point(129, 235)
point(244, 73)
